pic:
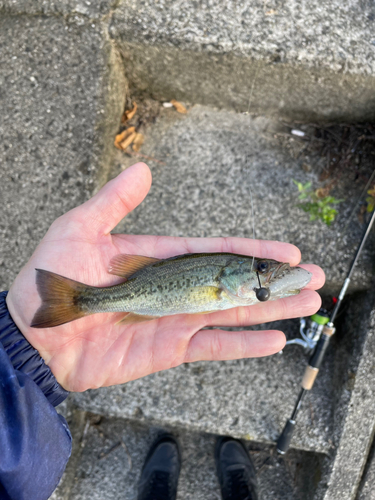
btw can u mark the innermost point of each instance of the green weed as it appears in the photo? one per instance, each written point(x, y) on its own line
point(318, 203)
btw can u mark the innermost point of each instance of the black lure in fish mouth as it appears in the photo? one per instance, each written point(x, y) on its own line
point(272, 271)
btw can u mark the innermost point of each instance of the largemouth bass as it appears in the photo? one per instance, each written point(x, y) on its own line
point(191, 283)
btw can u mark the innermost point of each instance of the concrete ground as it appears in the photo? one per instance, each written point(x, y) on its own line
point(67, 70)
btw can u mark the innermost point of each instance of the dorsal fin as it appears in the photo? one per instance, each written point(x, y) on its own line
point(125, 265)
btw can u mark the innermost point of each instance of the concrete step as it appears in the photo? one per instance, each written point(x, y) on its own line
point(249, 399)
point(62, 96)
point(366, 487)
point(110, 454)
point(310, 60)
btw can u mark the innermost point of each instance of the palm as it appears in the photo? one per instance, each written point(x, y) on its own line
point(97, 351)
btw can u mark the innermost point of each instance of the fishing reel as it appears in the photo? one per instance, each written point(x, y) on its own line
point(311, 330)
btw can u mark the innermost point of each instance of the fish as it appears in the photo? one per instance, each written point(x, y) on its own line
point(154, 288)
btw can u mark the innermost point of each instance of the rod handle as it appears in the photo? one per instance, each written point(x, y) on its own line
point(309, 377)
point(285, 438)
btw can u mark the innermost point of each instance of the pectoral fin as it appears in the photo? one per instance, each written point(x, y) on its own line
point(130, 318)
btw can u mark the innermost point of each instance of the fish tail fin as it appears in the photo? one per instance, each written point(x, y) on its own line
point(60, 300)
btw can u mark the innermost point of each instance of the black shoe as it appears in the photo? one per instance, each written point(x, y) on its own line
point(235, 471)
point(160, 472)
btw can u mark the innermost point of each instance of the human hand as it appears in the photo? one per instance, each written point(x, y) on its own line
point(95, 351)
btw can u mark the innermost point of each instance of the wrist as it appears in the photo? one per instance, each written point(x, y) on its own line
point(27, 359)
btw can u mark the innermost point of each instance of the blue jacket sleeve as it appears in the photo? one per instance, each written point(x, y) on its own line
point(35, 442)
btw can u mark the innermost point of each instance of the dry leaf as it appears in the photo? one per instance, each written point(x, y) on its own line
point(128, 141)
point(179, 107)
point(271, 12)
point(138, 141)
point(121, 137)
point(322, 192)
point(128, 115)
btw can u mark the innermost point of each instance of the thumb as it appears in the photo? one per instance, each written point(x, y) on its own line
point(116, 199)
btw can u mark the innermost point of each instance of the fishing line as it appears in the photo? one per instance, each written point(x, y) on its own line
point(345, 229)
point(359, 200)
point(262, 293)
point(252, 89)
point(248, 163)
point(252, 219)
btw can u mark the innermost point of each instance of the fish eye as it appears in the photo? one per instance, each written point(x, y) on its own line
point(263, 266)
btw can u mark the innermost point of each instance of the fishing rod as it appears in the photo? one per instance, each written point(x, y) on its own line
point(317, 337)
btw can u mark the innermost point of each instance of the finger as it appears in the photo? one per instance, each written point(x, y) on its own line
point(116, 199)
point(168, 246)
point(209, 345)
point(304, 304)
point(318, 276)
